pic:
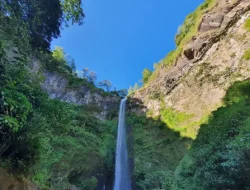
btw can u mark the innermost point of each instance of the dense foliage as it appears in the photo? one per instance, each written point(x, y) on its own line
point(49, 141)
point(41, 19)
point(52, 143)
point(217, 159)
point(56, 144)
point(146, 74)
point(156, 150)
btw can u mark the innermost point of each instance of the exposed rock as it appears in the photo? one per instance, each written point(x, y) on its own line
point(56, 86)
point(229, 14)
point(210, 63)
point(211, 22)
point(189, 53)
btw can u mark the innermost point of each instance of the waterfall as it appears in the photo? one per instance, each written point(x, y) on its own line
point(122, 176)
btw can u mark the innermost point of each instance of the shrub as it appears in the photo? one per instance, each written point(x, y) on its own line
point(184, 35)
point(246, 55)
point(146, 74)
point(247, 25)
point(219, 158)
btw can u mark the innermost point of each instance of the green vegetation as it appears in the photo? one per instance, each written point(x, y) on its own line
point(55, 144)
point(174, 118)
point(132, 90)
point(38, 20)
point(156, 150)
point(52, 143)
point(180, 122)
point(191, 23)
point(217, 159)
point(72, 11)
point(246, 55)
point(146, 75)
point(184, 123)
point(219, 156)
point(247, 25)
point(185, 33)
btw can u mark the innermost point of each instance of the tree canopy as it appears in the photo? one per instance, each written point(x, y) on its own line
point(42, 19)
point(73, 12)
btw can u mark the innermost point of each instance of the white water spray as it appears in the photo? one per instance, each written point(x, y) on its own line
point(122, 176)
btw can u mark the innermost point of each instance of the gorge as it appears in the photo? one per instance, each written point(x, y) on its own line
point(186, 128)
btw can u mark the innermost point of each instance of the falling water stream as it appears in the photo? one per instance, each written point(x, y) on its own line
point(122, 176)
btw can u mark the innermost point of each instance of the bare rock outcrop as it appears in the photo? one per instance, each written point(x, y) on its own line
point(210, 62)
point(57, 87)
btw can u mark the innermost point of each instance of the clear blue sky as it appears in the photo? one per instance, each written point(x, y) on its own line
point(122, 37)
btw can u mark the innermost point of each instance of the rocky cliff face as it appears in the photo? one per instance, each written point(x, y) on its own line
point(208, 65)
point(56, 85)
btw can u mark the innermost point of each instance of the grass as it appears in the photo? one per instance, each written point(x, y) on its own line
point(192, 21)
point(174, 118)
point(182, 122)
point(246, 55)
point(247, 25)
point(155, 148)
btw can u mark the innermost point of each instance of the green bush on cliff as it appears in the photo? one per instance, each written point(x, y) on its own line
point(191, 23)
point(246, 55)
point(247, 25)
point(156, 150)
point(146, 74)
point(219, 158)
point(173, 118)
point(184, 35)
point(182, 122)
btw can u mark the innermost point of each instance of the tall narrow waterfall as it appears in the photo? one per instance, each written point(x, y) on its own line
point(122, 176)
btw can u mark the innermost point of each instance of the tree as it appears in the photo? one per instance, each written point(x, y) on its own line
point(62, 60)
point(156, 65)
point(105, 84)
point(146, 75)
point(72, 64)
point(85, 73)
point(130, 90)
point(136, 87)
point(59, 54)
point(72, 11)
point(122, 93)
point(42, 19)
point(92, 77)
